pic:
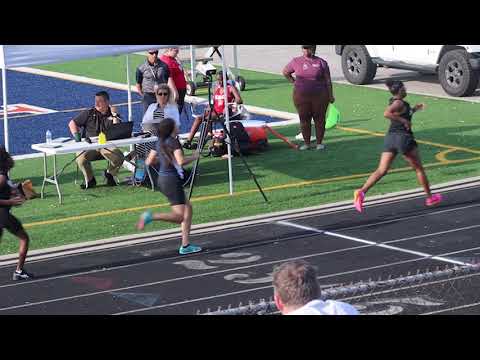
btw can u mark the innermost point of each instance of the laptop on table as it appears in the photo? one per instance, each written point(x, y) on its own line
point(119, 131)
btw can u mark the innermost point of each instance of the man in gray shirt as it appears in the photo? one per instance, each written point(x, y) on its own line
point(151, 73)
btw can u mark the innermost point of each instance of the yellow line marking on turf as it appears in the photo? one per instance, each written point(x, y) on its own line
point(441, 156)
point(373, 133)
point(225, 195)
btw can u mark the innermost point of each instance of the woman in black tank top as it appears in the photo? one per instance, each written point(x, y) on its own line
point(170, 182)
point(399, 138)
point(10, 196)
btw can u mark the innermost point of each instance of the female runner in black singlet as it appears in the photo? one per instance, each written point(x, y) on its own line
point(399, 139)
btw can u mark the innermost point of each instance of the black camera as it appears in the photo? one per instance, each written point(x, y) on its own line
point(211, 72)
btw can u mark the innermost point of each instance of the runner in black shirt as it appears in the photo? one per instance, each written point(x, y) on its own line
point(399, 139)
point(169, 157)
point(10, 196)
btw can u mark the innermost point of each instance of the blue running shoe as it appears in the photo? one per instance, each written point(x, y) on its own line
point(145, 219)
point(190, 249)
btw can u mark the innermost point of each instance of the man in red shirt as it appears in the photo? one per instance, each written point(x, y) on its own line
point(218, 106)
point(177, 74)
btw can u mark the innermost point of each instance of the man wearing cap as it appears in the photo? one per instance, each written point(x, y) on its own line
point(177, 74)
point(150, 74)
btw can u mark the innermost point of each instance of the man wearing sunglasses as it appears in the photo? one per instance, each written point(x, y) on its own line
point(150, 74)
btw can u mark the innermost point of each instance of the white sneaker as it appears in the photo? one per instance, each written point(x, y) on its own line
point(300, 137)
point(304, 147)
point(320, 147)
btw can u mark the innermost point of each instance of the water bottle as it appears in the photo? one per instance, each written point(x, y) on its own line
point(48, 136)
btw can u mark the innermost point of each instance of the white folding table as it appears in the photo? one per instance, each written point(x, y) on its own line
point(70, 147)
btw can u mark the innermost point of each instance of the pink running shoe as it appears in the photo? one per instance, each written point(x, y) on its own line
point(433, 200)
point(358, 197)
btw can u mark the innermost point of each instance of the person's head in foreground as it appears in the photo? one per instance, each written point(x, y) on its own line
point(397, 88)
point(166, 128)
point(297, 292)
point(6, 161)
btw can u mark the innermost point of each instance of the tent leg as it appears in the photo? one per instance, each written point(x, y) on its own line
point(5, 109)
point(227, 120)
point(235, 60)
point(129, 94)
point(192, 64)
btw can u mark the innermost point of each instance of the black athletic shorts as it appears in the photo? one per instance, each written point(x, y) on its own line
point(9, 222)
point(172, 188)
point(399, 143)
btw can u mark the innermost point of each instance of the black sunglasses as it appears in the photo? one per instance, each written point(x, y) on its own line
point(153, 53)
point(162, 93)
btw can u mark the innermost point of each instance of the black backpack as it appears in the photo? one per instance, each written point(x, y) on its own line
point(239, 133)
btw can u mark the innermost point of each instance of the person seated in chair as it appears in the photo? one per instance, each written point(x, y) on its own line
point(218, 107)
point(165, 107)
point(94, 121)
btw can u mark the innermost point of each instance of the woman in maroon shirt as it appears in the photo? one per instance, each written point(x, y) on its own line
point(311, 94)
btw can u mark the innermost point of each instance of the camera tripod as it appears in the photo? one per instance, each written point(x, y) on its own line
point(204, 128)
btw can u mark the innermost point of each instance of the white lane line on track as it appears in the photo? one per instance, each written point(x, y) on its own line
point(433, 234)
point(227, 270)
point(451, 309)
point(384, 246)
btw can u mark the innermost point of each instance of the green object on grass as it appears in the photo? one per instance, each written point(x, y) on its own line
point(333, 117)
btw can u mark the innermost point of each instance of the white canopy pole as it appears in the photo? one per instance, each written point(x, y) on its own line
point(129, 95)
point(235, 59)
point(4, 90)
point(227, 120)
point(192, 63)
point(5, 110)
point(129, 90)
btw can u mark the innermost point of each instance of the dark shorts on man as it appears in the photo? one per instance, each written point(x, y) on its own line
point(9, 222)
point(311, 105)
point(181, 99)
point(401, 143)
point(172, 187)
point(147, 100)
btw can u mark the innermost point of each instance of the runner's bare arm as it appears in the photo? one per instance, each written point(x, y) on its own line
point(151, 158)
point(236, 95)
point(184, 160)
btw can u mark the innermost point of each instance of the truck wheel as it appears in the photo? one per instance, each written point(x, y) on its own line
point(191, 87)
point(456, 74)
point(357, 65)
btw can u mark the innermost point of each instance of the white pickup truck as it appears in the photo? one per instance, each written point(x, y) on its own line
point(457, 66)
